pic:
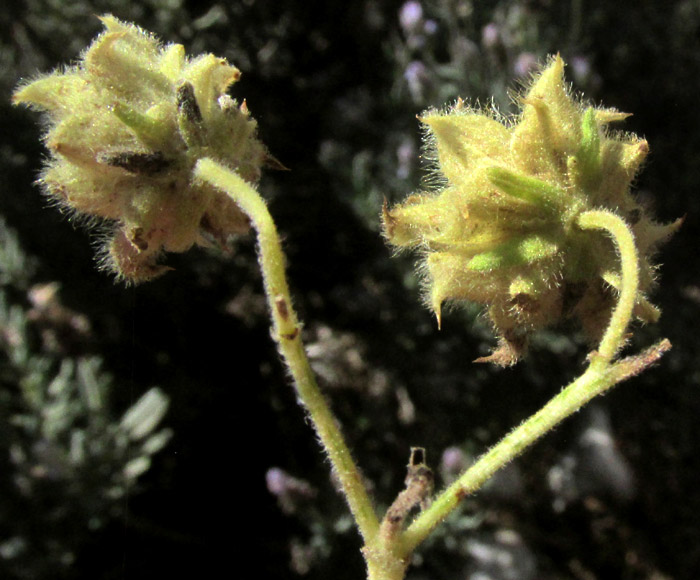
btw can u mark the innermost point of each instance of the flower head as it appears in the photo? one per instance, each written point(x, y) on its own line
point(502, 230)
point(126, 126)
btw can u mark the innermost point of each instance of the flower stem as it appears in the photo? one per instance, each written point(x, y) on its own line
point(286, 331)
point(614, 336)
point(600, 375)
point(584, 388)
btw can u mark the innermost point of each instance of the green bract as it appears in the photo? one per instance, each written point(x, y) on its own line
point(503, 230)
point(126, 126)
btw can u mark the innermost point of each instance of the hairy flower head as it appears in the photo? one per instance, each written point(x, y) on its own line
point(126, 126)
point(502, 230)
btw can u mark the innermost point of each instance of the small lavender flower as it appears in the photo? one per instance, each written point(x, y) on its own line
point(405, 153)
point(580, 67)
point(411, 16)
point(416, 75)
point(491, 36)
point(290, 492)
point(453, 462)
point(430, 27)
point(525, 63)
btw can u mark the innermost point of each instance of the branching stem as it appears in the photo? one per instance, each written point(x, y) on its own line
point(601, 375)
point(388, 557)
point(568, 401)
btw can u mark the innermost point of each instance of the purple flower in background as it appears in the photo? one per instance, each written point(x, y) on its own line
point(405, 153)
point(581, 68)
point(491, 36)
point(290, 492)
point(410, 16)
point(277, 481)
point(453, 462)
point(524, 64)
point(430, 27)
point(416, 76)
point(584, 73)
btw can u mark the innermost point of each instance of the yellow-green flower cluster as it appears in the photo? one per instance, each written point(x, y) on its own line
point(126, 126)
point(502, 230)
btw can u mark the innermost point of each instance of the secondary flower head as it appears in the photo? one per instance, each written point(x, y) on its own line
point(502, 230)
point(126, 126)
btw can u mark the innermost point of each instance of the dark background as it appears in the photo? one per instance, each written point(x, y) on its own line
point(335, 89)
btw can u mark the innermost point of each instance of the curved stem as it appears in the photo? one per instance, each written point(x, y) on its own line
point(614, 336)
point(593, 382)
point(286, 331)
point(600, 376)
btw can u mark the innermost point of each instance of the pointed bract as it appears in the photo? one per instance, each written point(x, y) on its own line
point(502, 231)
point(126, 126)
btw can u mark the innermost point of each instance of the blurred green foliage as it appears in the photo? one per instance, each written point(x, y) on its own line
point(67, 460)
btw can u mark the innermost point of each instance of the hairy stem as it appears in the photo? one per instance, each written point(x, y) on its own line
point(578, 393)
point(614, 336)
point(286, 331)
point(601, 375)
